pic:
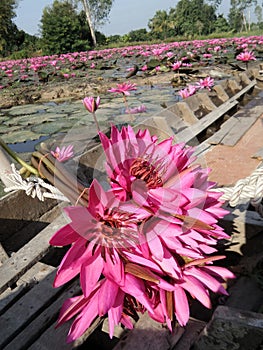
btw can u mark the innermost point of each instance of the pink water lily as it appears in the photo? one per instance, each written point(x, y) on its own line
point(246, 56)
point(134, 156)
point(188, 91)
point(64, 153)
point(147, 243)
point(124, 88)
point(91, 104)
point(206, 83)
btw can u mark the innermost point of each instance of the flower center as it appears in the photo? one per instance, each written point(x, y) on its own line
point(143, 170)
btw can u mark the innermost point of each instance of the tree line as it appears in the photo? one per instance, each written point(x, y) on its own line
point(72, 25)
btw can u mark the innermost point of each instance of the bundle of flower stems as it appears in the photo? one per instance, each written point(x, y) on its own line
point(55, 173)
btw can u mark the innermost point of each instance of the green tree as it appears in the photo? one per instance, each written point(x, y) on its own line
point(63, 29)
point(258, 13)
point(138, 35)
point(236, 17)
point(221, 24)
point(97, 13)
point(194, 16)
point(161, 25)
point(7, 28)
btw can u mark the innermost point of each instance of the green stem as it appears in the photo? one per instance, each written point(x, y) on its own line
point(96, 121)
point(19, 160)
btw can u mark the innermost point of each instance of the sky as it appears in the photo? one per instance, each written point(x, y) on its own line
point(125, 15)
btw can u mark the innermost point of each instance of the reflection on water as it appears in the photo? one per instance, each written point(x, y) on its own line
point(27, 146)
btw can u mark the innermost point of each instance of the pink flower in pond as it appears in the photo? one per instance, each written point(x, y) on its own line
point(207, 55)
point(246, 56)
point(188, 91)
point(135, 110)
point(206, 83)
point(170, 54)
point(63, 154)
point(90, 104)
point(144, 68)
point(157, 68)
point(124, 88)
point(176, 65)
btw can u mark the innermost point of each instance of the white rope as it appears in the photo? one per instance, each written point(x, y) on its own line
point(250, 188)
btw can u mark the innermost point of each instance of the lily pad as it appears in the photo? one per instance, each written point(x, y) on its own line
point(25, 110)
point(20, 136)
point(52, 128)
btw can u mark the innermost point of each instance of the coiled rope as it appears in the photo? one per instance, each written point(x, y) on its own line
point(250, 188)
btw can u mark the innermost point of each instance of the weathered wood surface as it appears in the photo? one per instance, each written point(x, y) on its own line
point(194, 130)
point(43, 325)
point(30, 253)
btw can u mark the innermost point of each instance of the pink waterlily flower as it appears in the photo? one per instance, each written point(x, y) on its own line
point(246, 56)
point(146, 243)
point(91, 104)
point(206, 83)
point(176, 65)
point(96, 233)
point(135, 110)
point(63, 154)
point(134, 156)
point(124, 88)
point(188, 91)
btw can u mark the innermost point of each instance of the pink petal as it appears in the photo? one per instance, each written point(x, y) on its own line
point(64, 236)
point(107, 295)
point(197, 290)
point(181, 306)
point(90, 272)
point(113, 267)
point(84, 319)
point(71, 263)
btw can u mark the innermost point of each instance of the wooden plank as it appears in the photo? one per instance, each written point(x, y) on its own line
point(33, 276)
point(33, 333)
point(3, 254)
point(192, 330)
point(29, 306)
point(194, 130)
point(235, 127)
point(55, 338)
point(34, 250)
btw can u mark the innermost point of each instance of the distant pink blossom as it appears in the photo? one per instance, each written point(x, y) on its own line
point(144, 68)
point(135, 110)
point(188, 91)
point(124, 88)
point(63, 154)
point(246, 56)
point(206, 83)
point(176, 65)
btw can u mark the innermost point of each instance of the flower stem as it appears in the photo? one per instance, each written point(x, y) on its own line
point(96, 121)
point(18, 159)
